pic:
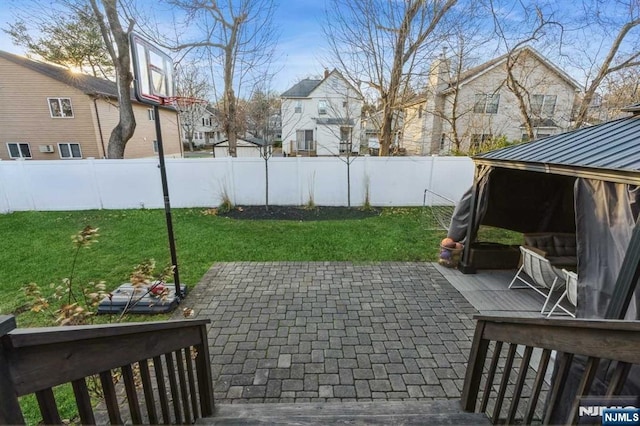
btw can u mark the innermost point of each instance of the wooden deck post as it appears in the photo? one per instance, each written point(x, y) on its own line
point(10, 412)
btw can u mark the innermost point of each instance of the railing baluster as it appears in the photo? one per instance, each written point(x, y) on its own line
point(147, 388)
point(564, 365)
point(590, 370)
point(83, 401)
point(183, 386)
point(504, 382)
point(517, 392)
point(537, 385)
point(490, 376)
point(110, 398)
point(175, 393)
point(618, 378)
point(473, 375)
point(192, 383)
point(162, 390)
point(132, 395)
point(48, 407)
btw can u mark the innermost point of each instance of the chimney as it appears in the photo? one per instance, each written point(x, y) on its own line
point(326, 72)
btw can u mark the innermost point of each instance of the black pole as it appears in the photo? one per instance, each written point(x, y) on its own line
point(167, 204)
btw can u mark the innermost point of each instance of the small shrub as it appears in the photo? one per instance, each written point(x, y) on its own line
point(226, 205)
point(366, 206)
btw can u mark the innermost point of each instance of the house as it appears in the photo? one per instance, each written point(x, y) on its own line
point(459, 114)
point(246, 147)
point(201, 126)
point(321, 117)
point(51, 113)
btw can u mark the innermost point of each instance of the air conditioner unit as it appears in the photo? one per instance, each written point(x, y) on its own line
point(46, 148)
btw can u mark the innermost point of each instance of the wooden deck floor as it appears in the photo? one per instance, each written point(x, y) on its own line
point(488, 291)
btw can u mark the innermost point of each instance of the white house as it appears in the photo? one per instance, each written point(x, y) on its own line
point(321, 117)
point(203, 125)
point(461, 113)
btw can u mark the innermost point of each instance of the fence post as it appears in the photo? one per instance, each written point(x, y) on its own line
point(10, 412)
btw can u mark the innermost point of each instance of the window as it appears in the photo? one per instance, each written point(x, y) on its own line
point(478, 140)
point(322, 107)
point(19, 150)
point(486, 104)
point(304, 140)
point(206, 121)
point(69, 150)
point(443, 139)
point(155, 146)
point(150, 114)
point(60, 107)
point(544, 105)
point(345, 140)
point(297, 107)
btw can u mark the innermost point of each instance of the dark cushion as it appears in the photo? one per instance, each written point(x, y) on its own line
point(564, 244)
point(554, 244)
point(542, 241)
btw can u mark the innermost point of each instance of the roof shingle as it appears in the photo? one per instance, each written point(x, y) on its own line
point(86, 83)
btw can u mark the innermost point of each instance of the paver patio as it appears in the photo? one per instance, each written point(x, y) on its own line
point(333, 331)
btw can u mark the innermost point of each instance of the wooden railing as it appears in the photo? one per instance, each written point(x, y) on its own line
point(174, 391)
point(497, 388)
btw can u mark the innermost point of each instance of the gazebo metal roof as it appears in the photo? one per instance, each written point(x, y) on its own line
point(608, 151)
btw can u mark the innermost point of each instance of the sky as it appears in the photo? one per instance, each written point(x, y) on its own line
point(299, 53)
point(302, 48)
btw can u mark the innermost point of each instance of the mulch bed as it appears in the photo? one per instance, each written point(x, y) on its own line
point(298, 213)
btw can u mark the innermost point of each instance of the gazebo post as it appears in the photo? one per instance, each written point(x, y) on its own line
point(10, 412)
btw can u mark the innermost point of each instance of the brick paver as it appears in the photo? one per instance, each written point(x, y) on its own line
point(330, 331)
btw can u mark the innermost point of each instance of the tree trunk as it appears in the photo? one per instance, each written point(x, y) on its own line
point(125, 128)
point(386, 128)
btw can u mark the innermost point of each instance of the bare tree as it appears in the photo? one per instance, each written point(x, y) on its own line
point(380, 43)
point(116, 39)
point(538, 24)
point(616, 26)
point(239, 36)
point(261, 108)
point(194, 88)
point(344, 110)
point(620, 90)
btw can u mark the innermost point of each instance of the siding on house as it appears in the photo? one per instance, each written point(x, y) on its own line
point(433, 133)
point(302, 111)
point(25, 116)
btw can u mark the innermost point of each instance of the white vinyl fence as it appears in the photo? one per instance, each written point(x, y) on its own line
point(132, 184)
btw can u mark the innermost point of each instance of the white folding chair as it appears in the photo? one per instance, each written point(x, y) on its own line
point(570, 292)
point(539, 270)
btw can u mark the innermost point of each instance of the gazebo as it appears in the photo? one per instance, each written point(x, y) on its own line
point(584, 182)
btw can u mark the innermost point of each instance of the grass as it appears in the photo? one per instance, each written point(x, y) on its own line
point(36, 247)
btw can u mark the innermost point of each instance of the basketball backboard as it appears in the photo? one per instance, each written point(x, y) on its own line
point(152, 71)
